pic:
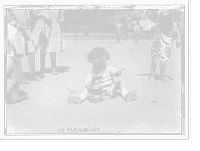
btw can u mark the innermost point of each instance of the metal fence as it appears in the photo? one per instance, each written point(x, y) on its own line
point(98, 32)
point(104, 36)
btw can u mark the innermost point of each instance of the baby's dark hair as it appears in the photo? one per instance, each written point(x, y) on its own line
point(98, 54)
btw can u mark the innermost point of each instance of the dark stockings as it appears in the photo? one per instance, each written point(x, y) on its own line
point(20, 73)
point(42, 60)
point(53, 59)
point(52, 56)
point(31, 63)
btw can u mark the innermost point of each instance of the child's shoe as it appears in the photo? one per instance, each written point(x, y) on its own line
point(21, 95)
point(131, 96)
point(54, 71)
point(36, 78)
point(24, 81)
point(74, 99)
point(42, 71)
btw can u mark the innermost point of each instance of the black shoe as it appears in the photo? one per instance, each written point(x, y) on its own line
point(54, 72)
point(24, 81)
point(42, 73)
point(20, 96)
point(36, 78)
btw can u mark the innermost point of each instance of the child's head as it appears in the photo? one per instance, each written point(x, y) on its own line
point(98, 57)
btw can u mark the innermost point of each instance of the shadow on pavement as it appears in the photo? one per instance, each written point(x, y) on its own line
point(9, 101)
point(157, 76)
point(60, 69)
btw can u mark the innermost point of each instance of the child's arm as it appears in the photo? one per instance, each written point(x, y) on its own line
point(178, 34)
point(12, 21)
point(177, 29)
point(144, 14)
point(150, 14)
point(115, 71)
point(41, 14)
point(88, 81)
point(117, 74)
point(62, 16)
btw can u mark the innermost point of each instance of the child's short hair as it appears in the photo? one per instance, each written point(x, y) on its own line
point(98, 54)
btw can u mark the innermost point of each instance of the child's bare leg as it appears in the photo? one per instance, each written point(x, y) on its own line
point(127, 96)
point(162, 68)
point(154, 64)
point(162, 71)
point(119, 86)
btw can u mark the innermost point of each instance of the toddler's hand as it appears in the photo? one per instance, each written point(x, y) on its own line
point(117, 74)
point(88, 85)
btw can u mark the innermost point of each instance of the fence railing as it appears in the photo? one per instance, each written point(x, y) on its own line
point(95, 31)
point(98, 32)
point(146, 35)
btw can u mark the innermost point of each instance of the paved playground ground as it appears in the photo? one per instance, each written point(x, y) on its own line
point(157, 110)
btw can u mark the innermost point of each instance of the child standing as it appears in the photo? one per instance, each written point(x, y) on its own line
point(119, 30)
point(100, 80)
point(137, 30)
point(166, 24)
point(49, 37)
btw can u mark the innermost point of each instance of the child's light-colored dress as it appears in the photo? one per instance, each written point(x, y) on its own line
point(22, 43)
point(163, 35)
point(110, 87)
point(48, 31)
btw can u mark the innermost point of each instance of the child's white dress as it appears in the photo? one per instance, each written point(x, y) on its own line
point(108, 84)
point(48, 30)
point(22, 18)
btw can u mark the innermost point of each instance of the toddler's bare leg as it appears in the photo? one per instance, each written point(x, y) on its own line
point(127, 96)
point(120, 88)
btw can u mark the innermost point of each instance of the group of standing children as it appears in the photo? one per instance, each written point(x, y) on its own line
point(29, 31)
point(24, 40)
